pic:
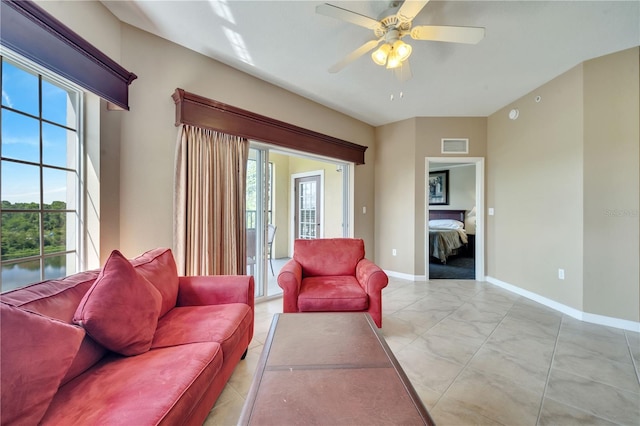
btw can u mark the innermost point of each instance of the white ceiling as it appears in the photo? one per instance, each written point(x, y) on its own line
point(527, 43)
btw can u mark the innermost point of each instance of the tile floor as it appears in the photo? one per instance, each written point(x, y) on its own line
point(478, 354)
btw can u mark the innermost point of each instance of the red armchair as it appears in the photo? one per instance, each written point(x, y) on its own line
point(332, 275)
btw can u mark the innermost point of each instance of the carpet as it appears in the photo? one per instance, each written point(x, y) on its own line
point(457, 268)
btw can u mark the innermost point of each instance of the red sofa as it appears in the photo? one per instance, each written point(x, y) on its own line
point(132, 343)
point(332, 275)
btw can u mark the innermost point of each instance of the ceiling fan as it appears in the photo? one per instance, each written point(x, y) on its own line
point(393, 25)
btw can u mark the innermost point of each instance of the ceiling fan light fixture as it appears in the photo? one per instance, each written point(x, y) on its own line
point(394, 60)
point(380, 56)
point(402, 49)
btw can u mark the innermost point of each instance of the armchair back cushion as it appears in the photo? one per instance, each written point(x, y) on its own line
point(328, 256)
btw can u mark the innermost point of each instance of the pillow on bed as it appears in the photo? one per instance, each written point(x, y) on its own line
point(446, 223)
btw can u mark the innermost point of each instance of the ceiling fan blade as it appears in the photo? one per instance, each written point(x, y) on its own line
point(347, 15)
point(468, 35)
point(410, 8)
point(368, 46)
point(403, 72)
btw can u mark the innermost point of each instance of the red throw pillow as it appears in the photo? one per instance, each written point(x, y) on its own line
point(120, 311)
point(35, 354)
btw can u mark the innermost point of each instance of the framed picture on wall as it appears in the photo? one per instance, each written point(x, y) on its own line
point(439, 188)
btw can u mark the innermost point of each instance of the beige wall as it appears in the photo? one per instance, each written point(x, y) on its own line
point(429, 134)
point(534, 183)
point(611, 185)
point(400, 183)
point(395, 196)
point(147, 133)
point(550, 175)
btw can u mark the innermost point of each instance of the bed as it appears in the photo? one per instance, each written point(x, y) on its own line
point(447, 236)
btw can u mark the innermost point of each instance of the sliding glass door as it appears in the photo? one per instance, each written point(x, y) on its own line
point(290, 195)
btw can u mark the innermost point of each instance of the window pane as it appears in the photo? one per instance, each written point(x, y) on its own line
point(58, 105)
point(59, 188)
point(20, 137)
point(20, 274)
point(19, 89)
point(58, 146)
point(59, 232)
point(20, 185)
point(20, 235)
point(55, 267)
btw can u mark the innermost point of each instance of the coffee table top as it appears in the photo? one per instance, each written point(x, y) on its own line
point(330, 369)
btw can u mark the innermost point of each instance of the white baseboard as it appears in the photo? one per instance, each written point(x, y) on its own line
point(404, 276)
point(568, 310)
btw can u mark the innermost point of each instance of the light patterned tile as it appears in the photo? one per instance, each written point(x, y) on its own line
point(555, 413)
point(533, 376)
point(472, 332)
point(226, 410)
point(531, 348)
point(498, 398)
point(424, 369)
point(610, 346)
point(451, 412)
point(530, 326)
point(456, 350)
point(589, 365)
point(611, 403)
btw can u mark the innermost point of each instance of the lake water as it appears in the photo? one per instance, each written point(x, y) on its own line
point(14, 276)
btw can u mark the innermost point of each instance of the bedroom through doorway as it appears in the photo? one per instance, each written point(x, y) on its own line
point(453, 202)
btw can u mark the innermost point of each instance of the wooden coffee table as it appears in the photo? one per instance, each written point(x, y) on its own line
point(330, 369)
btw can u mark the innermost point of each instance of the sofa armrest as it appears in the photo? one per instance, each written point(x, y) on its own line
point(371, 277)
point(216, 290)
point(289, 279)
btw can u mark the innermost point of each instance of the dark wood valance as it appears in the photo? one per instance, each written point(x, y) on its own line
point(202, 112)
point(31, 32)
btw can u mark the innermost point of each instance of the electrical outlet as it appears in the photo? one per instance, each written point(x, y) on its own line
point(393, 252)
point(561, 274)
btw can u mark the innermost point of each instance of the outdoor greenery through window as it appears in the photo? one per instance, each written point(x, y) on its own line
point(251, 197)
point(40, 175)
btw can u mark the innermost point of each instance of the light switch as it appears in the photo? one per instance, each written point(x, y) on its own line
point(364, 209)
point(490, 211)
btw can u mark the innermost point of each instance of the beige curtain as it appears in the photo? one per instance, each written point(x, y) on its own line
point(210, 229)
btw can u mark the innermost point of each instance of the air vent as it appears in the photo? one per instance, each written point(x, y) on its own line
point(455, 146)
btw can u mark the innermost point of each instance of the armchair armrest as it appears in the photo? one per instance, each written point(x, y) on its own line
point(289, 279)
point(215, 290)
point(371, 277)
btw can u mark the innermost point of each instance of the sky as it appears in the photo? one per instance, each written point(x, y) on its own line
point(21, 134)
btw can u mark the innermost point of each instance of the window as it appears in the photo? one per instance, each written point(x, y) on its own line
point(40, 169)
point(252, 187)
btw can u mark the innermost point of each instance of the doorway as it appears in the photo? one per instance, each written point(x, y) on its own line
point(290, 195)
point(472, 206)
point(307, 211)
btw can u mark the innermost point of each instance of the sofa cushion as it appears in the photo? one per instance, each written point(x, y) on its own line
point(35, 354)
point(225, 324)
point(120, 310)
point(328, 256)
point(332, 294)
point(159, 267)
point(159, 386)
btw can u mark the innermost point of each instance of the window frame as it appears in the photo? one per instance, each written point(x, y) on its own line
point(79, 228)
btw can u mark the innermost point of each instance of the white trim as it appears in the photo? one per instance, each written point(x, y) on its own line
point(479, 249)
point(404, 276)
point(292, 225)
point(568, 310)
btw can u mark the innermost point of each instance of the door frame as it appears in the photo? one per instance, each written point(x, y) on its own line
point(292, 215)
point(480, 219)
